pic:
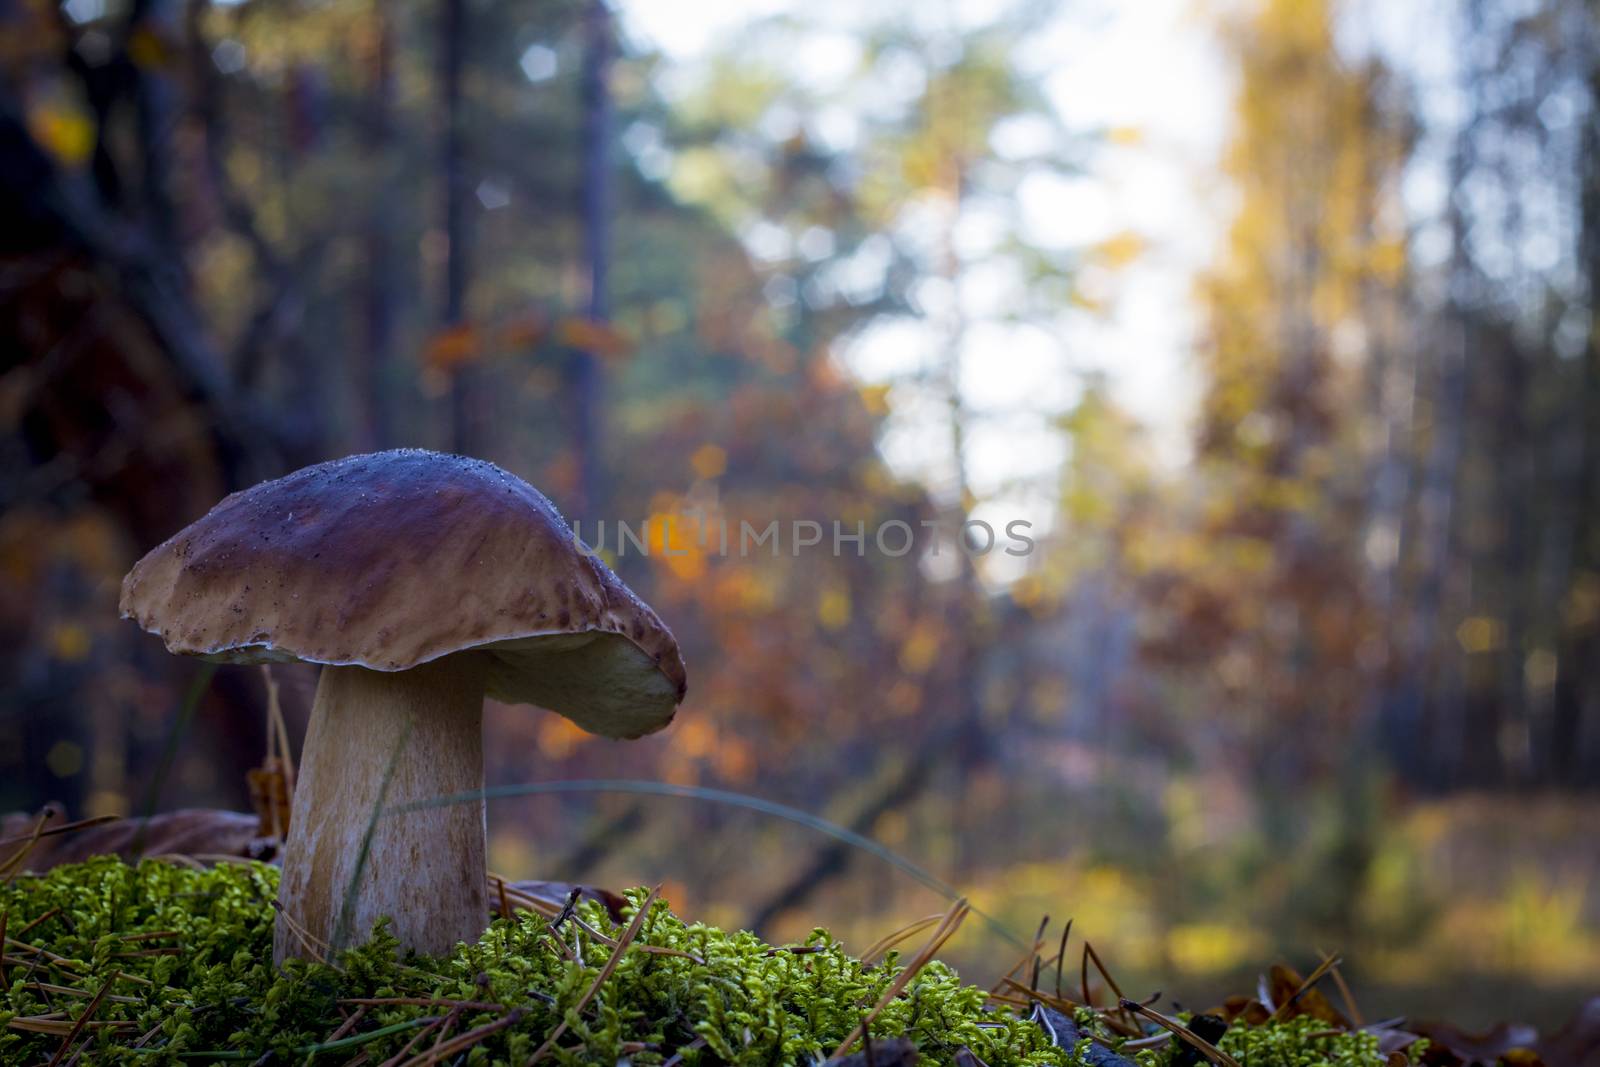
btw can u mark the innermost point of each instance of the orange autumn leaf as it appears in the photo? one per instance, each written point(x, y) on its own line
point(596, 338)
point(65, 130)
point(525, 330)
point(151, 49)
point(560, 475)
point(453, 346)
point(1120, 249)
point(709, 461)
point(676, 541)
point(876, 399)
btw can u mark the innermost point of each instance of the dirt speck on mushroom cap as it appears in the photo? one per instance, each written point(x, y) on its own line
point(393, 559)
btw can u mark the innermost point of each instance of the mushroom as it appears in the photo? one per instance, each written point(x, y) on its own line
point(421, 583)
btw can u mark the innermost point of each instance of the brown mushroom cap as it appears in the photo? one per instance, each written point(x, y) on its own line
point(393, 559)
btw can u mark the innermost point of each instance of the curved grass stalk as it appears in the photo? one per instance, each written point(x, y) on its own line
point(169, 752)
point(719, 796)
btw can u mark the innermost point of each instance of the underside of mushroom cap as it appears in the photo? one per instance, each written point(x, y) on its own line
point(394, 559)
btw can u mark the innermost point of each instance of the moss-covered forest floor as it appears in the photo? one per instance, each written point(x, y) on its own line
point(170, 961)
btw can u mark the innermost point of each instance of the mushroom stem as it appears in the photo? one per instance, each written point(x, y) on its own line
point(422, 730)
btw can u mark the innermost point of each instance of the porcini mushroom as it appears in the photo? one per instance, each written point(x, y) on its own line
point(422, 583)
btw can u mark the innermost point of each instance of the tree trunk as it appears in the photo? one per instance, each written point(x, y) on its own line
point(464, 402)
point(376, 430)
point(1575, 718)
point(595, 210)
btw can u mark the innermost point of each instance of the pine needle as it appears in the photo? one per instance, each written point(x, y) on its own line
point(64, 828)
point(943, 932)
point(1206, 1048)
point(599, 980)
point(1327, 964)
point(14, 862)
point(1345, 994)
point(881, 947)
point(83, 1020)
point(320, 949)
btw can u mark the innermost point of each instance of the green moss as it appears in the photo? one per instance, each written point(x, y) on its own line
point(1295, 1044)
point(205, 985)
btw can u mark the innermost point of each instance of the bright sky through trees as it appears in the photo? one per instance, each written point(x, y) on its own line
point(1145, 78)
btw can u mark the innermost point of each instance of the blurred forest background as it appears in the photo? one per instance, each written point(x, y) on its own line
point(1325, 675)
